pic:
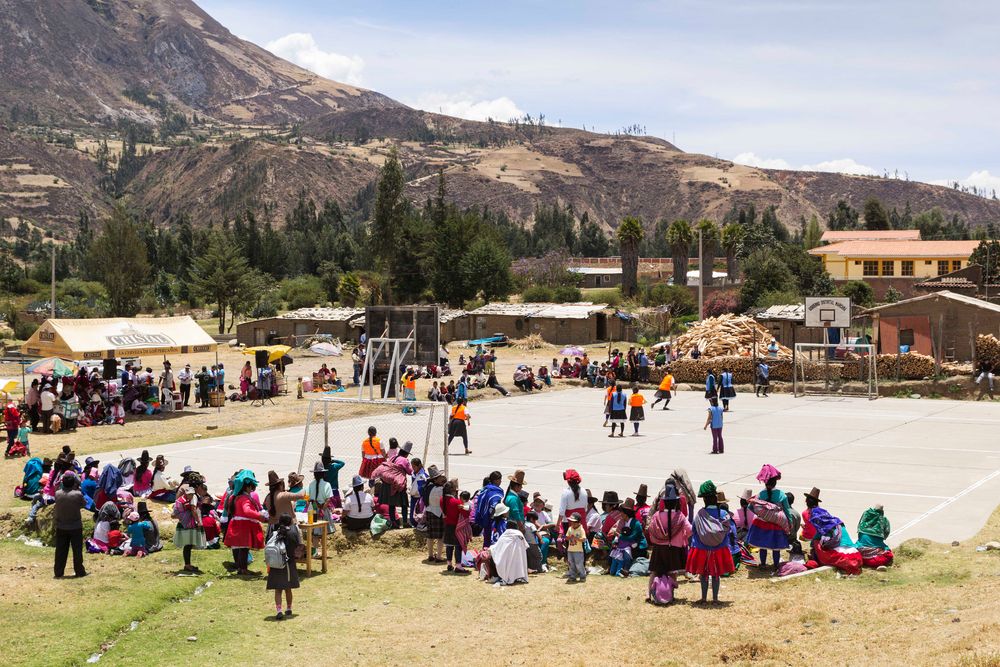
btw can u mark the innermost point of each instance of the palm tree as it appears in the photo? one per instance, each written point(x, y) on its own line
point(679, 237)
point(630, 235)
point(732, 234)
point(709, 244)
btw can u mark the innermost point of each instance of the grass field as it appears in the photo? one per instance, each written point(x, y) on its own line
point(936, 606)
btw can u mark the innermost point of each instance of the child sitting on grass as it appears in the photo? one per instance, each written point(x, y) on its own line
point(137, 535)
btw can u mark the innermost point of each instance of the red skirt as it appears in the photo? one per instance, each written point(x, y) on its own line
point(715, 563)
point(244, 535)
point(847, 560)
point(368, 466)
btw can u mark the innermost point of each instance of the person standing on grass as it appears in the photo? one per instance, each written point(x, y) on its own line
point(285, 578)
point(458, 423)
point(714, 420)
point(434, 514)
point(69, 525)
point(663, 392)
point(636, 413)
point(572, 501)
point(246, 514)
point(189, 533)
point(618, 415)
point(772, 520)
point(727, 390)
point(11, 422)
point(669, 534)
point(763, 377)
point(710, 556)
point(575, 539)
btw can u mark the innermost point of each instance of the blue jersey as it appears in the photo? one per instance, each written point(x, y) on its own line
point(716, 412)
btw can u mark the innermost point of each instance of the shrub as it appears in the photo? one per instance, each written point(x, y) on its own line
point(677, 297)
point(302, 292)
point(721, 303)
point(567, 294)
point(25, 329)
point(861, 293)
point(538, 293)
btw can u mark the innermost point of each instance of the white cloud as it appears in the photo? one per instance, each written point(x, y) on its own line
point(983, 180)
point(838, 166)
point(301, 49)
point(464, 105)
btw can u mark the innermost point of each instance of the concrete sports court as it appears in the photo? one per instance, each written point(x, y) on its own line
point(933, 464)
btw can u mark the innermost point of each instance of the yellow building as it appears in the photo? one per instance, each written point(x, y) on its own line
point(858, 260)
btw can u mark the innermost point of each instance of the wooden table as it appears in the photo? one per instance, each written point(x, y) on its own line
point(308, 528)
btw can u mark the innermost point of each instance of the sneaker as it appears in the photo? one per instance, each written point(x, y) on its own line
point(279, 616)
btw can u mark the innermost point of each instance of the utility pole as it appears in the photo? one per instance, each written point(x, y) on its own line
point(52, 300)
point(701, 283)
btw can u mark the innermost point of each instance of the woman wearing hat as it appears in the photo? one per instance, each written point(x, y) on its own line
point(513, 498)
point(509, 552)
point(189, 533)
point(359, 507)
point(669, 532)
point(246, 514)
point(394, 474)
point(768, 532)
point(434, 514)
point(320, 497)
point(278, 501)
point(625, 537)
point(710, 556)
point(142, 484)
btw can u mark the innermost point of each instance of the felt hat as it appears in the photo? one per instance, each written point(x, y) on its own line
point(670, 493)
point(628, 505)
point(814, 494)
point(591, 497)
point(160, 460)
point(707, 488)
point(433, 473)
point(145, 457)
point(142, 508)
point(610, 498)
point(721, 497)
point(517, 477)
point(273, 480)
point(747, 495)
point(407, 447)
point(188, 472)
point(318, 467)
point(326, 457)
point(357, 481)
point(90, 462)
point(523, 495)
point(295, 479)
point(575, 518)
point(643, 491)
point(500, 510)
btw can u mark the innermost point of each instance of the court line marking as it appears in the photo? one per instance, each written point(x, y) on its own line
point(940, 506)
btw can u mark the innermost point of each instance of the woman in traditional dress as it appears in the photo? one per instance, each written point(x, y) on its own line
point(372, 454)
point(769, 529)
point(832, 545)
point(710, 556)
point(669, 532)
point(873, 529)
point(246, 515)
point(189, 533)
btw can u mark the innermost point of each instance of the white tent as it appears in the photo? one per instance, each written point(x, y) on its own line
point(119, 336)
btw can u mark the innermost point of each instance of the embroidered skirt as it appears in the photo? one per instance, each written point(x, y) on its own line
point(715, 563)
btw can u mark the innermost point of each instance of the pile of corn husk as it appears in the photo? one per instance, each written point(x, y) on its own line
point(728, 335)
point(532, 342)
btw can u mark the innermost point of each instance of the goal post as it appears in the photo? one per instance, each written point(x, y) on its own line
point(342, 423)
point(835, 369)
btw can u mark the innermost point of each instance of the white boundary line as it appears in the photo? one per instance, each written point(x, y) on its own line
point(940, 506)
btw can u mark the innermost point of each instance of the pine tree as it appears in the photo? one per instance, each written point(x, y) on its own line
point(388, 218)
point(813, 234)
point(118, 257)
point(221, 275)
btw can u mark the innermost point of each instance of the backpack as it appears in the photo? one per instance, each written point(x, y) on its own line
point(661, 589)
point(275, 552)
point(711, 531)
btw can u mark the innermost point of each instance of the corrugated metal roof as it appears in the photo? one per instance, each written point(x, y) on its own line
point(871, 235)
point(444, 315)
point(795, 312)
point(894, 249)
point(572, 311)
point(329, 314)
point(595, 270)
point(967, 300)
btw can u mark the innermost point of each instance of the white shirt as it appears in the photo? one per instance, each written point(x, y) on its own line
point(185, 376)
point(48, 400)
point(593, 520)
point(434, 500)
point(359, 508)
point(568, 505)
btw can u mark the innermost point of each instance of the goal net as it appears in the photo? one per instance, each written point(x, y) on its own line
point(342, 423)
point(843, 369)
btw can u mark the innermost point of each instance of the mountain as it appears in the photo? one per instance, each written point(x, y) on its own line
point(255, 130)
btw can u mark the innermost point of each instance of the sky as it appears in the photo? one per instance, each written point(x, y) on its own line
point(908, 88)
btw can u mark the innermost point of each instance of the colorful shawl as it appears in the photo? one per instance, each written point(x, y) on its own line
point(767, 472)
point(486, 501)
point(241, 479)
point(31, 483)
point(874, 523)
point(823, 521)
point(110, 480)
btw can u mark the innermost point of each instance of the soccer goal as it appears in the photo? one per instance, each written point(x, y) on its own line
point(342, 423)
point(829, 369)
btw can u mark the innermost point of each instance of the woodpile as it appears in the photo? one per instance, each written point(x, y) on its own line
point(988, 349)
point(728, 335)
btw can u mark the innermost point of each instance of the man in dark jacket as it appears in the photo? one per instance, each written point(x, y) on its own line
point(69, 525)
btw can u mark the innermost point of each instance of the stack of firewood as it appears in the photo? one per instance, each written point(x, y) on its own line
point(728, 335)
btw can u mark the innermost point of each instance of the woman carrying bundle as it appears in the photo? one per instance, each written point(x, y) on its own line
point(772, 520)
point(710, 556)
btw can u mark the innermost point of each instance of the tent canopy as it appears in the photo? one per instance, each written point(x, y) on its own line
point(274, 352)
point(118, 336)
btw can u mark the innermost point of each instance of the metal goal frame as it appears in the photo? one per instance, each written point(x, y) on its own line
point(805, 364)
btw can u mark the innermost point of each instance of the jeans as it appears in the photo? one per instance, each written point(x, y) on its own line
point(576, 569)
point(37, 503)
point(413, 509)
point(357, 374)
point(11, 438)
point(65, 539)
point(717, 443)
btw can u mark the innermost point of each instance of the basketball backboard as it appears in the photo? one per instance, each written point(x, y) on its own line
point(828, 311)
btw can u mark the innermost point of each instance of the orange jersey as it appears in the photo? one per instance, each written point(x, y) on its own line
point(667, 382)
point(459, 413)
point(636, 400)
point(371, 447)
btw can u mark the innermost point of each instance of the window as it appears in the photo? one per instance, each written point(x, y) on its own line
point(607, 279)
point(906, 268)
point(956, 265)
point(942, 267)
point(888, 267)
point(906, 337)
point(869, 268)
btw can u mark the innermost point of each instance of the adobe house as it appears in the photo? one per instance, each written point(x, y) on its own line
point(291, 328)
